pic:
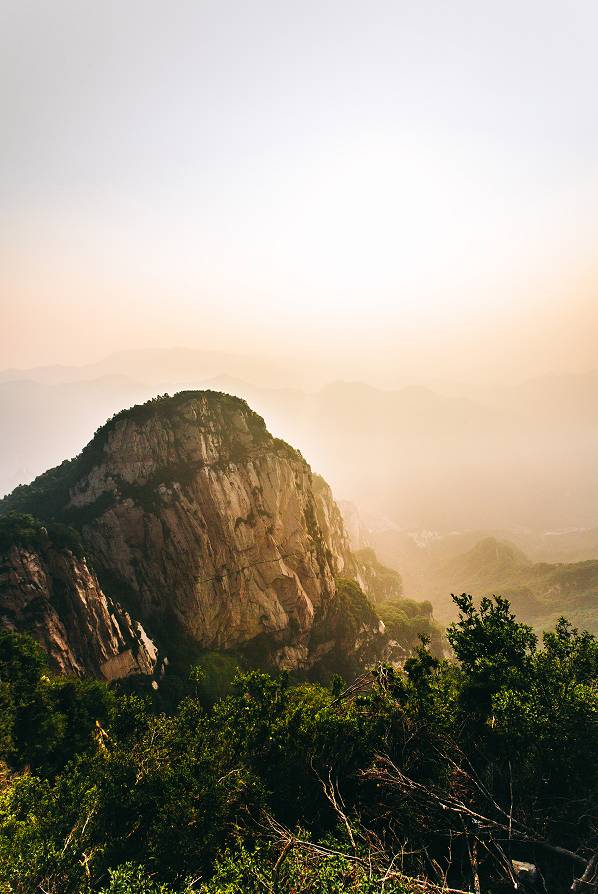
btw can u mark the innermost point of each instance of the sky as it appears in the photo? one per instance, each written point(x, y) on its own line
point(388, 191)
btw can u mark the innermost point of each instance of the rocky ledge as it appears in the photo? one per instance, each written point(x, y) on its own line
point(48, 590)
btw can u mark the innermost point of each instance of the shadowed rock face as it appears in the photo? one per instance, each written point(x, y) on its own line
point(53, 595)
point(210, 527)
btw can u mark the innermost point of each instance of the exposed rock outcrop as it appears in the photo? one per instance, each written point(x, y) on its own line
point(208, 527)
point(382, 584)
point(50, 592)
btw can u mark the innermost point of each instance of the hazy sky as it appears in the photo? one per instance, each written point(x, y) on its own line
point(391, 191)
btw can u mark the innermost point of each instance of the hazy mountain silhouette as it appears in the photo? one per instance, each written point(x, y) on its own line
point(156, 365)
point(465, 458)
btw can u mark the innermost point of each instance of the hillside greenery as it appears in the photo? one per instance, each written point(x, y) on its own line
point(439, 774)
point(22, 529)
point(407, 620)
point(538, 591)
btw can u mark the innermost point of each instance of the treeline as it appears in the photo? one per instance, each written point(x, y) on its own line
point(446, 774)
point(406, 620)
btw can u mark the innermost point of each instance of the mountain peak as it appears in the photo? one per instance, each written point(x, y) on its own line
point(212, 530)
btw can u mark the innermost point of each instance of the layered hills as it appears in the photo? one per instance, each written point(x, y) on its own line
point(539, 592)
point(442, 457)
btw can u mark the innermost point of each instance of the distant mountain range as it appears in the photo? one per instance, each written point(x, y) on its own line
point(155, 365)
point(457, 457)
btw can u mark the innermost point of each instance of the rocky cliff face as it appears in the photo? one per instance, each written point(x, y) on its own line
point(382, 584)
point(210, 528)
point(51, 593)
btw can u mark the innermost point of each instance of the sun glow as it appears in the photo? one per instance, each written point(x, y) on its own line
point(299, 177)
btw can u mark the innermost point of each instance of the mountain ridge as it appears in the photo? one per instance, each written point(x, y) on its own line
point(444, 457)
point(209, 529)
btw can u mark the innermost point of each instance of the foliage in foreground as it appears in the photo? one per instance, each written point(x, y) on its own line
point(438, 774)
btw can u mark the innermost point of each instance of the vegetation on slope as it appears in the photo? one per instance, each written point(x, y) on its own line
point(439, 774)
point(22, 529)
point(407, 620)
point(539, 591)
